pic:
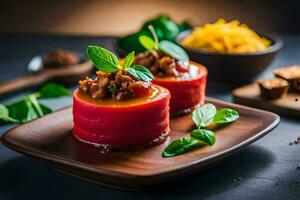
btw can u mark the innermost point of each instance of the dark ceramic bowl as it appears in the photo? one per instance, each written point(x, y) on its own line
point(233, 68)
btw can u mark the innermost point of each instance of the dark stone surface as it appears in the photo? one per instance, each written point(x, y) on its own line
point(266, 169)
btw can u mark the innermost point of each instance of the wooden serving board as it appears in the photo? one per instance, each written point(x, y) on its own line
point(49, 138)
point(288, 105)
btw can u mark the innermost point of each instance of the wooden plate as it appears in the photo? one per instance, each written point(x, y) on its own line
point(249, 95)
point(49, 138)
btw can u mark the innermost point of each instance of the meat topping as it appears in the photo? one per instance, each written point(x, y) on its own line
point(117, 85)
point(158, 63)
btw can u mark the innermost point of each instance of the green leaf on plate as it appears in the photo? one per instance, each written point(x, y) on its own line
point(4, 114)
point(180, 146)
point(53, 90)
point(128, 60)
point(204, 115)
point(205, 136)
point(174, 51)
point(147, 42)
point(226, 115)
point(103, 59)
point(140, 72)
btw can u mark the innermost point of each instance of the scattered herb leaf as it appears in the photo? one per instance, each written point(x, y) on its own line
point(31, 112)
point(18, 110)
point(103, 59)
point(35, 104)
point(46, 110)
point(4, 114)
point(29, 108)
point(53, 90)
point(180, 146)
point(206, 136)
point(204, 115)
point(140, 72)
point(226, 115)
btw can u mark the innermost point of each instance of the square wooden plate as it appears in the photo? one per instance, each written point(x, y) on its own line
point(49, 138)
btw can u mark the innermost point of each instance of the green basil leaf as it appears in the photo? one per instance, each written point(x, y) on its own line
point(53, 90)
point(4, 114)
point(205, 136)
point(147, 42)
point(27, 109)
point(128, 60)
point(204, 115)
point(174, 51)
point(35, 104)
point(226, 115)
point(31, 112)
point(180, 146)
point(140, 72)
point(18, 110)
point(103, 59)
point(46, 110)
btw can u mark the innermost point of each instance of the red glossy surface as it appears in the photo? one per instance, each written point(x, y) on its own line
point(188, 93)
point(119, 125)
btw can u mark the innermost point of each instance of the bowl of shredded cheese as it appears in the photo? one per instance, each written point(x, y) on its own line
point(232, 52)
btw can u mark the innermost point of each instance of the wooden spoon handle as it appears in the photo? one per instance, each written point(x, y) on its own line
point(22, 82)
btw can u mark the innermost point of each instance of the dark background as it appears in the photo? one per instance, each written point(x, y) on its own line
point(114, 17)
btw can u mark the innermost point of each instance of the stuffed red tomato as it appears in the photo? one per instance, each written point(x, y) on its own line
point(187, 85)
point(128, 124)
point(187, 91)
point(120, 108)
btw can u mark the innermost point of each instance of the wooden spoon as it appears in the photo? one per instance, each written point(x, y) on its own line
point(65, 75)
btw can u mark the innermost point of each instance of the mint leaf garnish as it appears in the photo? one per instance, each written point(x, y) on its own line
point(140, 72)
point(128, 60)
point(103, 59)
point(147, 42)
point(174, 51)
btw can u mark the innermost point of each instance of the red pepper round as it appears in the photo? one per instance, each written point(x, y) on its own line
point(126, 124)
point(185, 94)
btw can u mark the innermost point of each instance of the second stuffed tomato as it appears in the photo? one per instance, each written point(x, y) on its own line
point(187, 85)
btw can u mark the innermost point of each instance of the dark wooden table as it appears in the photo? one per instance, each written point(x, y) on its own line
point(267, 169)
